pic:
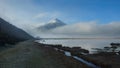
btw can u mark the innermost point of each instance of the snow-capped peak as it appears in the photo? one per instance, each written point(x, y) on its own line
point(55, 21)
point(51, 25)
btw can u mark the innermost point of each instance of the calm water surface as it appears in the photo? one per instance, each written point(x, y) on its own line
point(84, 43)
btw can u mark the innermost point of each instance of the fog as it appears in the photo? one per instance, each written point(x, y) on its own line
point(84, 43)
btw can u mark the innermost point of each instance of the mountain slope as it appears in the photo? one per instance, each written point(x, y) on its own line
point(51, 25)
point(11, 34)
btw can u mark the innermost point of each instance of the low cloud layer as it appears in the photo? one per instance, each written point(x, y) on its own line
point(90, 28)
point(28, 16)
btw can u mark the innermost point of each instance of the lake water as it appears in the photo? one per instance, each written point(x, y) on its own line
point(84, 43)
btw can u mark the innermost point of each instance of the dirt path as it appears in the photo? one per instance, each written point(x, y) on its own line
point(32, 55)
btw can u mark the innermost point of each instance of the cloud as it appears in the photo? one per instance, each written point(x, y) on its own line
point(41, 15)
point(46, 16)
point(26, 19)
point(90, 28)
point(78, 28)
point(16, 14)
point(4, 7)
point(82, 30)
point(26, 15)
point(9, 13)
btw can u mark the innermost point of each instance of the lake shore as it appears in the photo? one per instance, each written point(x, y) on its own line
point(33, 55)
point(98, 60)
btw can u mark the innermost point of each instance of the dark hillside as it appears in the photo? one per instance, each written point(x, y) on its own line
point(11, 34)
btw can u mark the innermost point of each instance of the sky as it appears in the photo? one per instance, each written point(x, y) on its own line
point(31, 13)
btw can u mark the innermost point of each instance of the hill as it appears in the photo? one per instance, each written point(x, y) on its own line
point(11, 34)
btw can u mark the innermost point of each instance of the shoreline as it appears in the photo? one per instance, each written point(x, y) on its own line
point(35, 55)
point(31, 53)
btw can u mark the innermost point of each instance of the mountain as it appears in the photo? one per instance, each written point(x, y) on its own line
point(51, 25)
point(11, 34)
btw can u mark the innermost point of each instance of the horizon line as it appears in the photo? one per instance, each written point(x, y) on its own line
point(75, 38)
